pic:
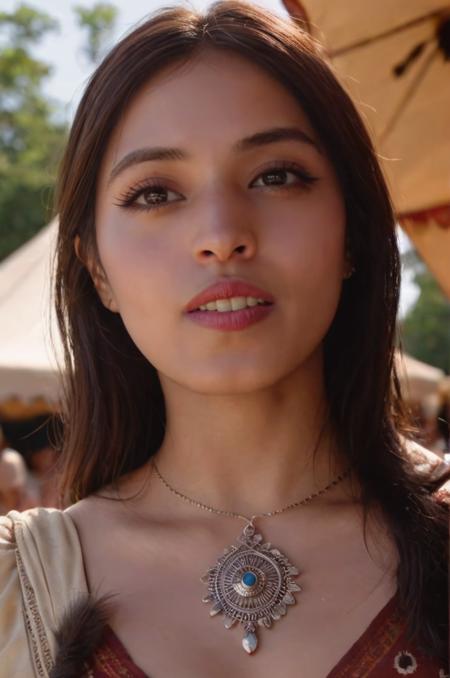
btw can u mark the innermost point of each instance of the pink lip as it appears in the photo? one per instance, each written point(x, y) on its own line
point(230, 321)
point(225, 289)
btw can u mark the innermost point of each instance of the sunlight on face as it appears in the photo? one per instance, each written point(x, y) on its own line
point(171, 222)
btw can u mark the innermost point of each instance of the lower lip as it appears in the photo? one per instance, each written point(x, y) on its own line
point(230, 321)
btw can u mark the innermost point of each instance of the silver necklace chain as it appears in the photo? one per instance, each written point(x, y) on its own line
point(233, 514)
point(251, 583)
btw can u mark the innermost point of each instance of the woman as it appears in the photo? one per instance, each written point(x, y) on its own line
point(227, 286)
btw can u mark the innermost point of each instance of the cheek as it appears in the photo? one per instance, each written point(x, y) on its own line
point(136, 264)
point(309, 240)
point(142, 283)
point(310, 256)
point(128, 252)
point(145, 270)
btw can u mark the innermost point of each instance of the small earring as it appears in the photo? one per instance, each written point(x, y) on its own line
point(349, 273)
point(111, 305)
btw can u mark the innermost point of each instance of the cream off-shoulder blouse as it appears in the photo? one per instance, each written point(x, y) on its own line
point(41, 572)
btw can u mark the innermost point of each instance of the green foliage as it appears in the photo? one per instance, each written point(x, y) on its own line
point(26, 25)
point(30, 139)
point(99, 22)
point(426, 328)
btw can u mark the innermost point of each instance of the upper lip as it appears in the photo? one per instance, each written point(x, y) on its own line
point(225, 289)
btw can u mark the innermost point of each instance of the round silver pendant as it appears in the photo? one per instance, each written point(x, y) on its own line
point(251, 584)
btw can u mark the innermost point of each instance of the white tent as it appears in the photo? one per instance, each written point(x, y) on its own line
point(29, 340)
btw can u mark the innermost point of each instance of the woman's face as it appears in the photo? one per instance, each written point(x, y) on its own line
point(236, 201)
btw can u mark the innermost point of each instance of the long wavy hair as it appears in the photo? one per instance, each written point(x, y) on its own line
point(114, 413)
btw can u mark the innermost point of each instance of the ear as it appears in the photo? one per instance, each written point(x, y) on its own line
point(98, 276)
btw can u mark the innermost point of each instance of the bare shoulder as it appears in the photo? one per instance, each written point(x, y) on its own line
point(94, 517)
point(107, 504)
point(108, 522)
point(92, 521)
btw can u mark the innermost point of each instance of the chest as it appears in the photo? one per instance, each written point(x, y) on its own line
point(310, 642)
point(167, 629)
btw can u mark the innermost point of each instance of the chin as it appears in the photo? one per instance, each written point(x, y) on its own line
point(229, 380)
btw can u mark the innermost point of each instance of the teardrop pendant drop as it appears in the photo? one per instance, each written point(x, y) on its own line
point(250, 642)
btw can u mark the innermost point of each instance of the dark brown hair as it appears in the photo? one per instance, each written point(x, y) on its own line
point(114, 412)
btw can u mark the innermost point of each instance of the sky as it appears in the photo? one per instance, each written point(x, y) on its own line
point(63, 50)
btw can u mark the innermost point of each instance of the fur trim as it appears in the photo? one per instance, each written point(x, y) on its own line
point(79, 634)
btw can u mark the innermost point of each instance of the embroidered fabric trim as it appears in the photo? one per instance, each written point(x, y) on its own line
point(111, 660)
point(43, 661)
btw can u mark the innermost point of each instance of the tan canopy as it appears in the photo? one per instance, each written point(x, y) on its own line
point(418, 380)
point(390, 56)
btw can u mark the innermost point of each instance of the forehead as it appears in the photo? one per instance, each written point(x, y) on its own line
point(205, 105)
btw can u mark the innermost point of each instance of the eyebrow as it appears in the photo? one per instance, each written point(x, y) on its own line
point(264, 138)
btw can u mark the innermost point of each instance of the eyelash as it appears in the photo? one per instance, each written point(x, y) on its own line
point(128, 199)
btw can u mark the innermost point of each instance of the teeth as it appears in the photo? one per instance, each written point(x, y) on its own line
point(238, 303)
point(223, 305)
point(232, 304)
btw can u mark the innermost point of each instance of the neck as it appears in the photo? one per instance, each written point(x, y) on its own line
point(248, 453)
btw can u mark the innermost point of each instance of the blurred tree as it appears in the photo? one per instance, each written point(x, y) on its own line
point(425, 330)
point(99, 22)
point(31, 138)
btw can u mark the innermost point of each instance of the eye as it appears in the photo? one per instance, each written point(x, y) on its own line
point(148, 196)
point(155, 195)
point(284, 175)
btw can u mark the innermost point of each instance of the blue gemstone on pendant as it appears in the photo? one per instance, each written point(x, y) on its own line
point(249, 579)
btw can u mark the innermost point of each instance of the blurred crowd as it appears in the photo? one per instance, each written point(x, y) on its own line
point(28, 465)
point(431, 418)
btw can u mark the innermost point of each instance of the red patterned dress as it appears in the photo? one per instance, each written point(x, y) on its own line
point(381, 652)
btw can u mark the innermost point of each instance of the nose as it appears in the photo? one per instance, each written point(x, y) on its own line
point(225, 231)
